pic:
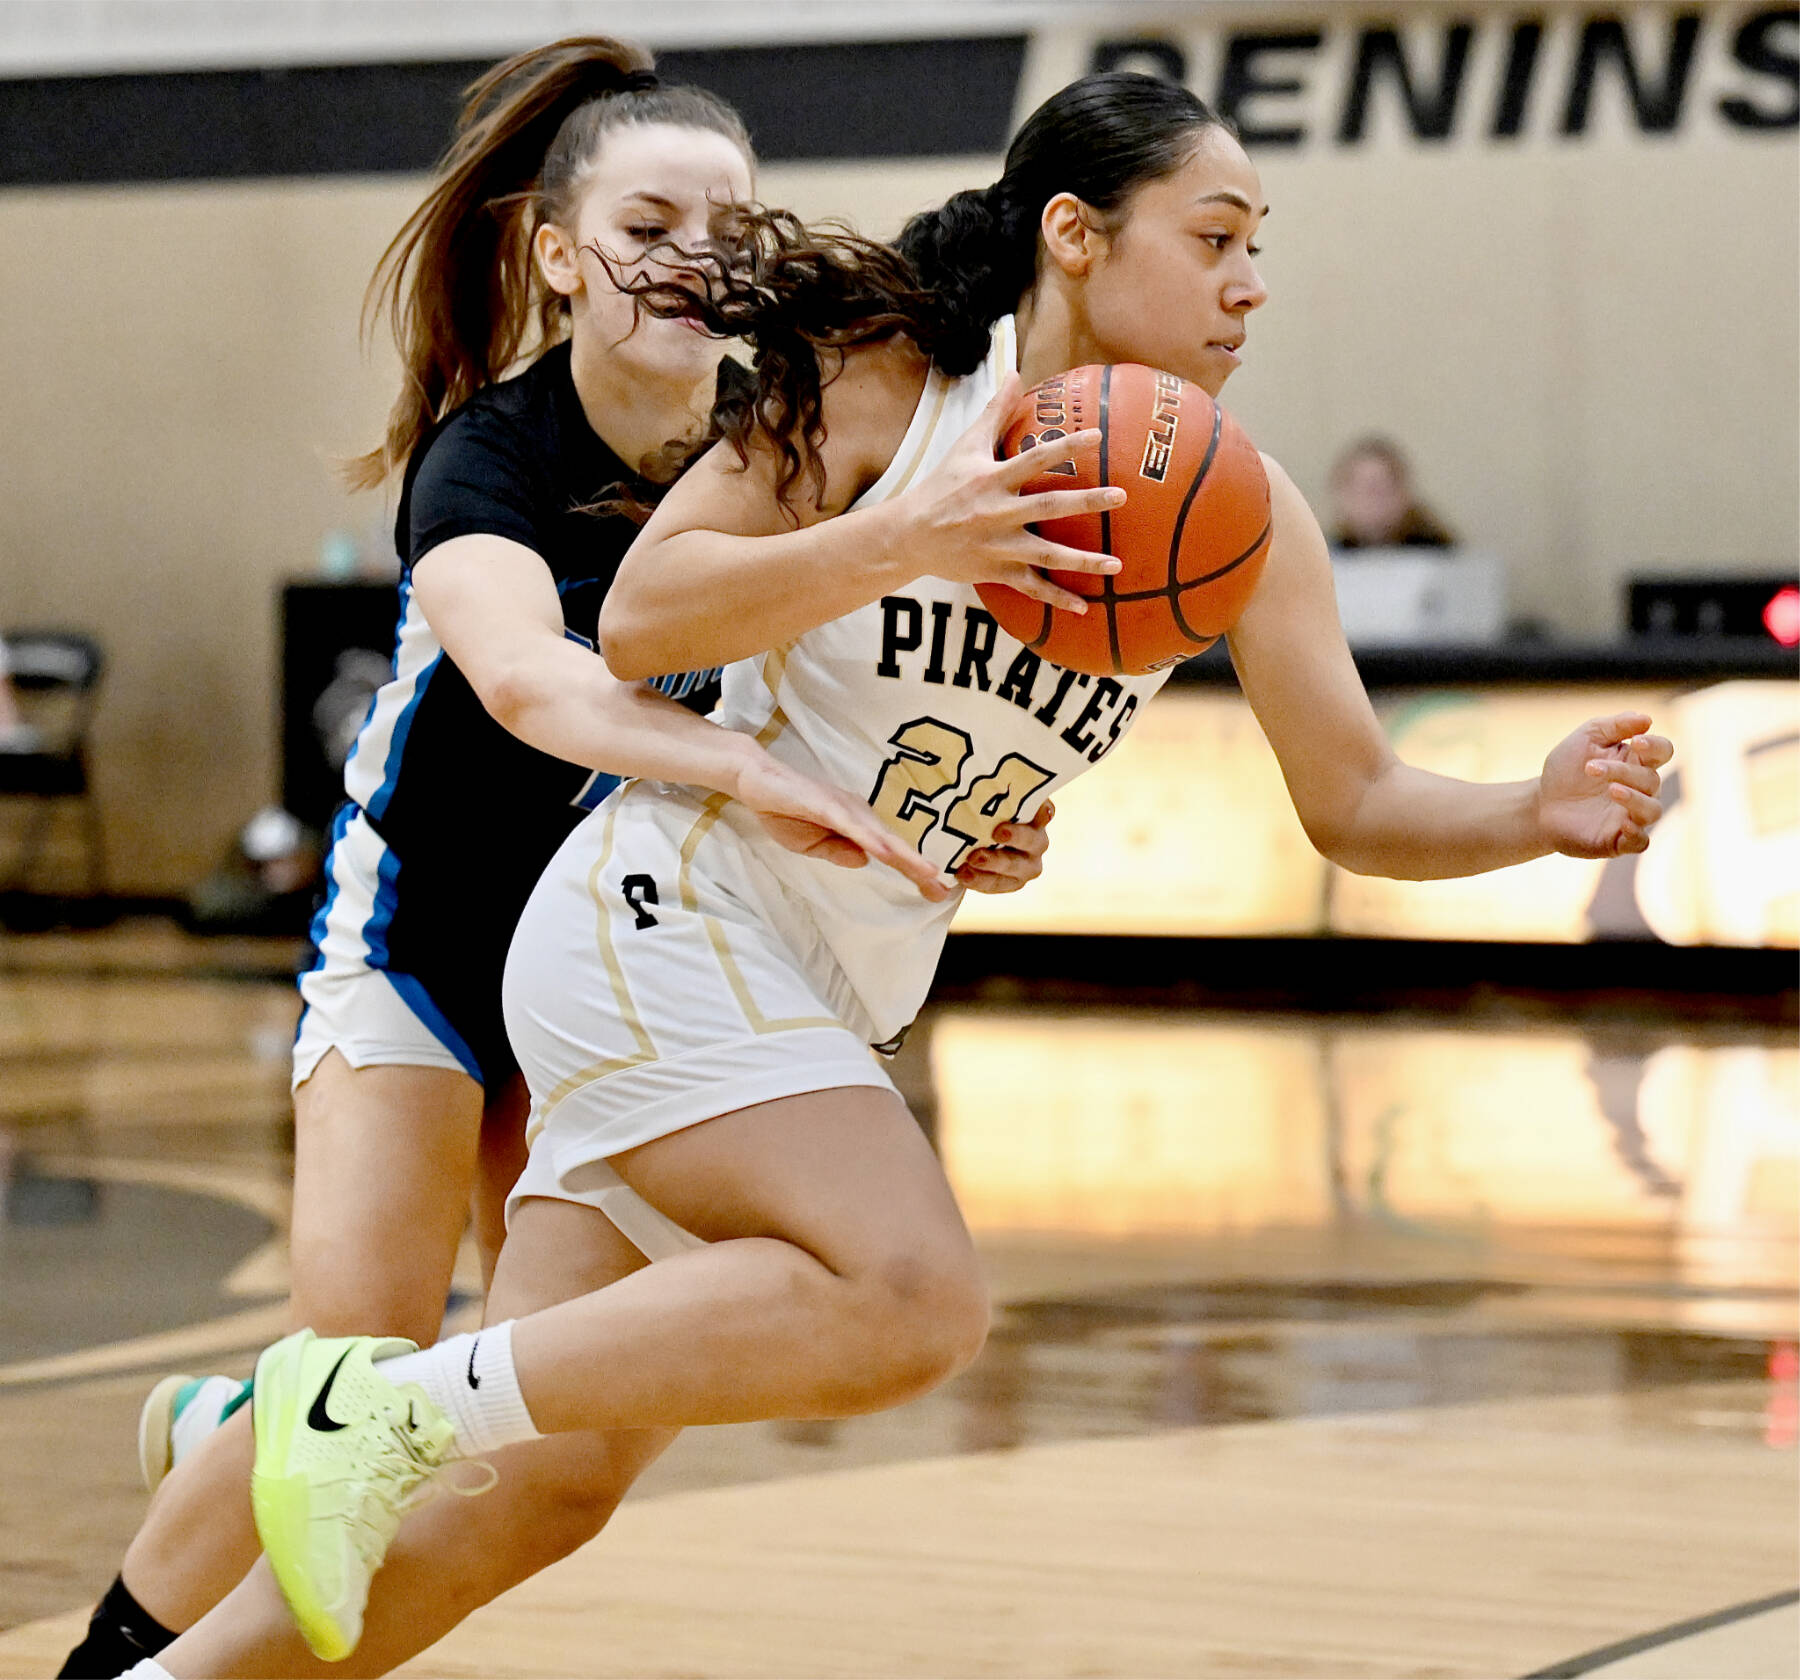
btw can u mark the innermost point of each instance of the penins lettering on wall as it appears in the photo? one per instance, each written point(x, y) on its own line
point(1735, 70)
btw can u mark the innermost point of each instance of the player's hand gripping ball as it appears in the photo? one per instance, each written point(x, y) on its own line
point(1192, 535)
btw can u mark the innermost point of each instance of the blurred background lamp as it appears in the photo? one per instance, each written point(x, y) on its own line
point(1781, 617)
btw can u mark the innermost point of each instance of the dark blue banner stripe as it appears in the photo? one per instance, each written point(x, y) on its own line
point(869, 99)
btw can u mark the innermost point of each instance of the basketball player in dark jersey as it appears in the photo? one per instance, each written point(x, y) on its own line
point(498, 730)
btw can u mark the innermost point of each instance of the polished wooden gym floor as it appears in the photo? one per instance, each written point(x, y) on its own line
point(1401, 1345)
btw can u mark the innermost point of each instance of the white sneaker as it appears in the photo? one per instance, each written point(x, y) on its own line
point(180, 1412)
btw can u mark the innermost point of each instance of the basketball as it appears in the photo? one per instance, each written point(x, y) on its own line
point(1193, 534)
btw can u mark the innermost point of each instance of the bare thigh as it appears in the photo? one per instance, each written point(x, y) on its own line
point(838, 1276)
point(845, 1174)
point(384, 1165)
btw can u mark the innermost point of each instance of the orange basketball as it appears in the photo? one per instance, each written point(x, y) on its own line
point(1193, 533)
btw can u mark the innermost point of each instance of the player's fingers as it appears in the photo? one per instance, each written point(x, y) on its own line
point(1631, 839)
point(913, 865)
point(925, 875)
point(1653, 750)
point(1041, 457)
point(1620, 727)
point(1000, 860)
point(933, 887)
point(1029, 581)
point(992, 421)
point(987, 881)
point(1066, 504)
point(1063, 559)
point(1028, 838)
point(1640, 807)
point(834, 848)
point(1625, 773)
point(847, 823)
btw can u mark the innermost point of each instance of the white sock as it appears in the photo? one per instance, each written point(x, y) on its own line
point(148, 1669)
point(472, 1382)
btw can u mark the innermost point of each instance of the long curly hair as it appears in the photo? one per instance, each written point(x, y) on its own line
point(800, 295)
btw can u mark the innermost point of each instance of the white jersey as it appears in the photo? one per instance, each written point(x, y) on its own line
point(922, 703)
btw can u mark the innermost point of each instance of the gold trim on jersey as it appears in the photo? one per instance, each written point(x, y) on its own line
point(615, 972)
point(924, 444)
point(760, 1024)
point(772, 670)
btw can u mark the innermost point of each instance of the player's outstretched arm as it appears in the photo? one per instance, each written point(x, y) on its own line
point(724, 569)
point(492, 604)
point(1364, 808)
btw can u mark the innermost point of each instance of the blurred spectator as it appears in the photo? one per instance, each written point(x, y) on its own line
point(1373, 505)
point(16, 735)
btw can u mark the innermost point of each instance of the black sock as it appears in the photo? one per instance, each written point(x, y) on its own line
point(121, 1633)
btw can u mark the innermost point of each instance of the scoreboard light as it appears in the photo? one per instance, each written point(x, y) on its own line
point(1781, 617)
point(1716, 606)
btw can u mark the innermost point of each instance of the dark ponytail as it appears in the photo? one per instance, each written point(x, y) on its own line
point(458, 282)
point(976, 255)
point(1100, 138)
point(794, 290)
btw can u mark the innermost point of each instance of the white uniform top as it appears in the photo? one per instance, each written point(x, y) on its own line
point(921, 702)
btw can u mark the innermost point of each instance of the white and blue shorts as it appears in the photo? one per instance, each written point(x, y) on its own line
point(430, 1009)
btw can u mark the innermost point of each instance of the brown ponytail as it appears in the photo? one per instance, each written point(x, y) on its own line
point(458, 283)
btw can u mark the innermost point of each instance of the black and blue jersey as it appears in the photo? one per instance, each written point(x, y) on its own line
point(468, 813)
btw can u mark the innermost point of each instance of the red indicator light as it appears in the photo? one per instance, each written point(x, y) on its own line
point(1781, 617)
point(1781, 1416)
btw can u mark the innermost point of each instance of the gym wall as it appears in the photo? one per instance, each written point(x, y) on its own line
point(1552, 251)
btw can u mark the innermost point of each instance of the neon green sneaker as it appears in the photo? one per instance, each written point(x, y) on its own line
point(339, 1452)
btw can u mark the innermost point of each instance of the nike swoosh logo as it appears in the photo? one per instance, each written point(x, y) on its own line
point(318, 1417)
point(474, 1381)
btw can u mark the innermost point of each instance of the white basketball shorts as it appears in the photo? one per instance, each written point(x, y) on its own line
point(354, 1002)
point(661, 976)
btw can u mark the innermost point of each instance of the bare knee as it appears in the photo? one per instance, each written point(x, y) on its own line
point(927, 1315)
point(554, 1520)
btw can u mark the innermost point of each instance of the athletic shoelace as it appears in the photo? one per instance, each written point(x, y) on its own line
point(401, 1476)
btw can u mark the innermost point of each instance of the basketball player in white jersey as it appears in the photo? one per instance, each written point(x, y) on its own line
point(483, 751)
point(693, 1009)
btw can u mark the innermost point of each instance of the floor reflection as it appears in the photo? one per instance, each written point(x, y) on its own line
point(1452, 1135)
point(1161, 1359)
point(1197, 1219)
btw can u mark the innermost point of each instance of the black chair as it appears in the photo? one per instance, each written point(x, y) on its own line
point(55, 675)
